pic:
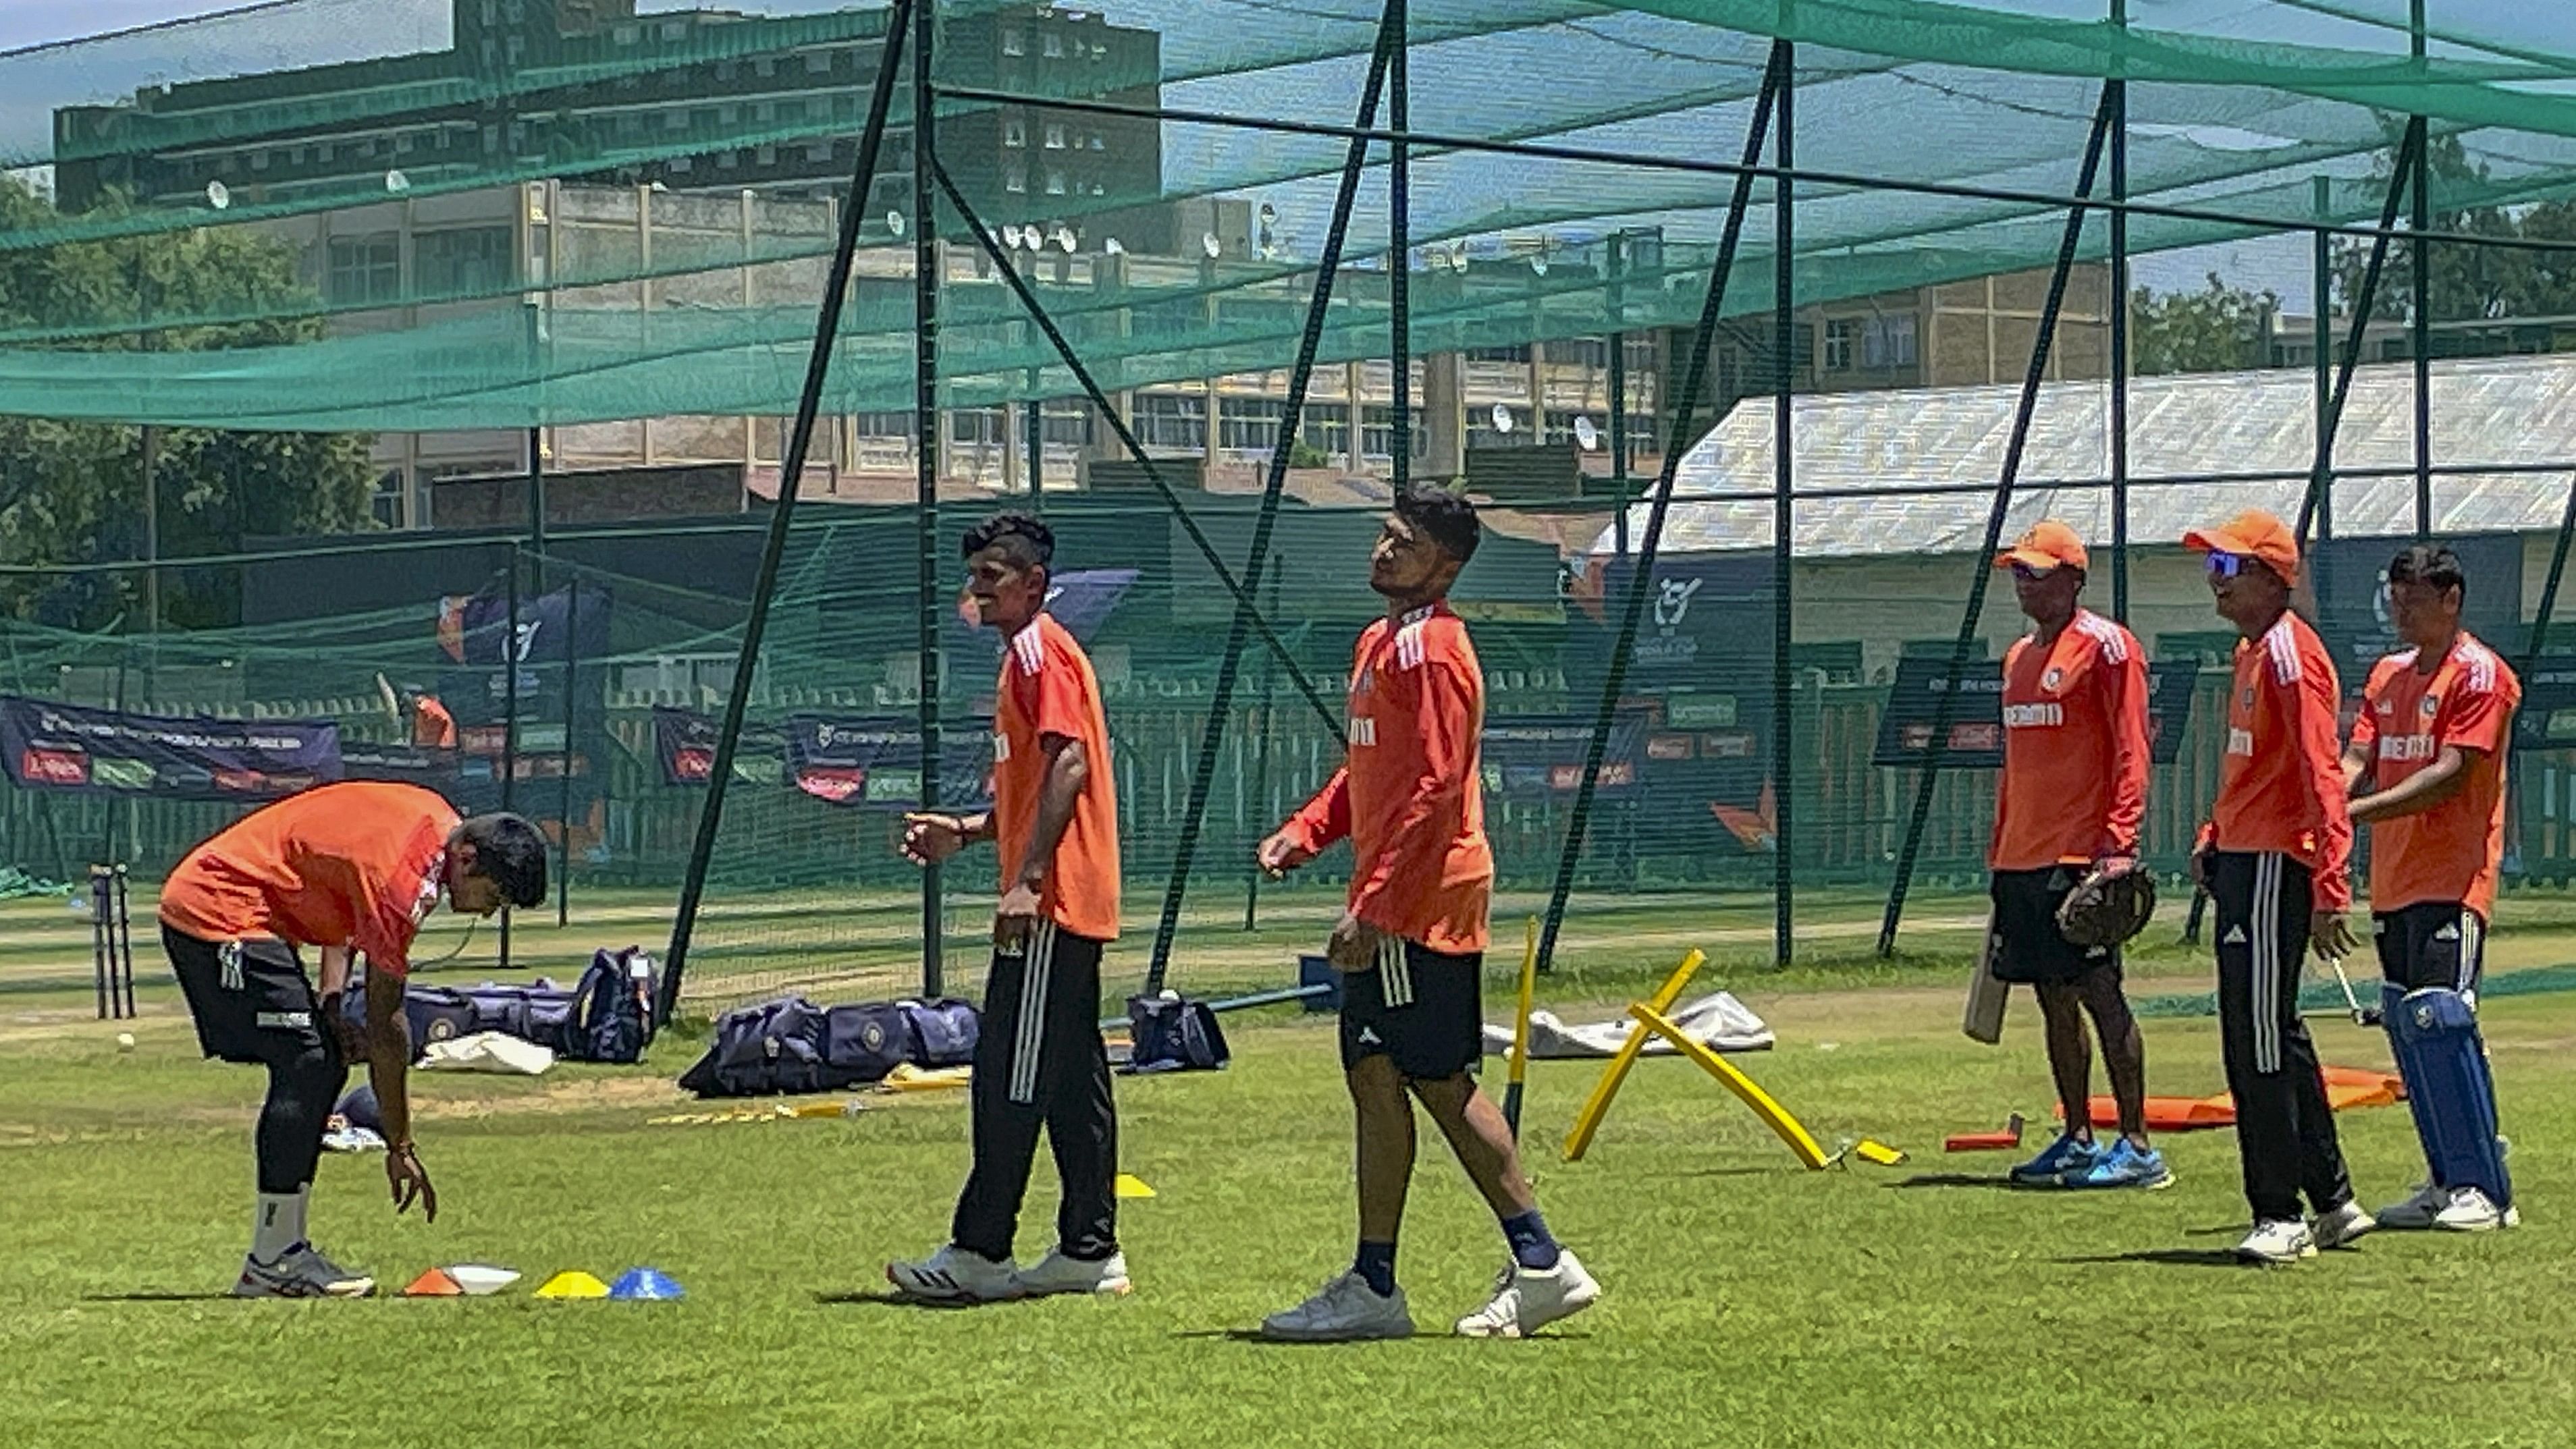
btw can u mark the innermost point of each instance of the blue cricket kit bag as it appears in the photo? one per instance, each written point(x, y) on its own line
point(2434, 1033)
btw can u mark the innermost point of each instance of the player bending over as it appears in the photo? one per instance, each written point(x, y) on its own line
point(342, 868)
point(2427, 768)
point(2273, 857)
point(1039, 1059)
point(2072, 793)
point(1412, 939)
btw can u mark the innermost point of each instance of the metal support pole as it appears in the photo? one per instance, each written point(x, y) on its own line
point(2360, 331)
point(1035, 430)
point(1399, 245)
point(571, 719)
point(2120, 333)
point(1329, 714)
point(1618, 256)
point(2419, 251)
point(925, 357)
point(792, 466)
point(1230, 665)
point(1784, 473)
point(510, 722)
point(1679, 410)
point(2037, 372)
point(2549, 588)
point(2321, 470)
point(1261, 762)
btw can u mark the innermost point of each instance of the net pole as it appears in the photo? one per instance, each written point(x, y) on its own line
point(1399, 250)
point(1618, 396)
point(1261, 761)
point(1033, 429)
point(1681, 411)
point(2549, 587)
point(1784, 473)
point(510, 721)
point(2419, 251)
point(2321, 469)
point(1230, 668)
point(925, 356)
point(836, 287)
point(985, 241)
point(2362, 302)
point(571, 718)
point(2120, 326)
point(2037, 373)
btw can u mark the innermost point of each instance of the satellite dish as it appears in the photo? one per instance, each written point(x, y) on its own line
point(1458, 259)
point(1587, 436)
point(1066, 241)
point(1502, 418)
point(1210, 245)
point(218, 195)
point(1269, 213)
point(397, 183)
point(1032, 238)
point(1538, 263)
point(1011, 235)
point(894, 223)
point(1114, 247)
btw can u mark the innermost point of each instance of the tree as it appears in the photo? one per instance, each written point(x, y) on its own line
point(2466, 282)
point(72, 492)
point(2216, 329)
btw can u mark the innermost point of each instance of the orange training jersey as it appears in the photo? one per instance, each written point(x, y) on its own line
point(1047, 689)
point(1410, 797)
point(2450, 852)
point(355, 864)
point(2282, 786)
point(2074, 786)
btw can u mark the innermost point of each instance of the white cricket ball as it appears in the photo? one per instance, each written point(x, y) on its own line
point(125, 1041)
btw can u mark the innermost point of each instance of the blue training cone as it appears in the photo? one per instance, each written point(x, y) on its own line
point(643, 1285)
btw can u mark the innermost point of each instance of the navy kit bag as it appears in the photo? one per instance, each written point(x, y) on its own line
point(1173, 1034)
point(611, 1019)
point(943, 1032)
point(763, 1050)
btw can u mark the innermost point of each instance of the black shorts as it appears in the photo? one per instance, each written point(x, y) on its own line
point(2431, 943)
point(2028, 946)
point(1419, 1008)
point(251, 999)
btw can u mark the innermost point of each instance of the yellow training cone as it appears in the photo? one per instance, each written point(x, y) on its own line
point(573, 1283)
point(1130, 1185)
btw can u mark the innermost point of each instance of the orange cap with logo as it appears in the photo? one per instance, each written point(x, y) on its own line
point(2049, 544)
point(2252, 534)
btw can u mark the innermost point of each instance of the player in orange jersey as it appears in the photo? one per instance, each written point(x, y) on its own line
point(2069, 801)
point(1411, 939)
point(2427, 767)
point(2274, 856)
point(350, 869)
point(1039, 1058)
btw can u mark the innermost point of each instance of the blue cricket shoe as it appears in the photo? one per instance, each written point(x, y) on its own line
point(2068, 1154)
point(2124, 1166)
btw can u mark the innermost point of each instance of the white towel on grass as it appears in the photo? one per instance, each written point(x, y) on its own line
point(1716, 1020)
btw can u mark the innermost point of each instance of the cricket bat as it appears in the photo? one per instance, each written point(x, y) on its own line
point(1520, 1030)
point(1984, 1020)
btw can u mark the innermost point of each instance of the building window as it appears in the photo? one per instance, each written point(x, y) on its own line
point(1250, 425)
point(1377, 433)
point(1069, 428)
point(1055, 47)
point(976, 427)
point(1836, 355)
point(1481, 432)
point(728, 115)
point(883, 425)
point(1013, 43)
point(1888, 341)
point(365, 269)
point(764, 67)
point(1055, 182)
point(818, 62)
point(516, 47)
point(626, 34)
point(819, 151)
point(1326, 427)
point(474, 259)
point(1171, 420)
point(259, 160)
point(387, 501)
point(724, 70)
point(675, 120)
point(1517, 353)
point(1015, 132)
point(1055, 138)
point(675, 30)
point(1015, 178)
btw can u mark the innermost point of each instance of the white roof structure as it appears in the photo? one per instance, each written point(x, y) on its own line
point(2503, 412)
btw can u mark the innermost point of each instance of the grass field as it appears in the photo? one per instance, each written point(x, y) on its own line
point(1748, 1302)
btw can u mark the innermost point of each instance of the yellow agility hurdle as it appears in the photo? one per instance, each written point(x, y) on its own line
point(1650, 1019)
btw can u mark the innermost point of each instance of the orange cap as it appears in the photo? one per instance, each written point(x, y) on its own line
point(2252, 534)
point(2049, 544)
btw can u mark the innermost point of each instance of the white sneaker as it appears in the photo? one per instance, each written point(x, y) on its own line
point(1055, 1273)
point(954, 1275)
point(2340, 1227)
point(300, 1272)
point(1528, 1299)
point(2278, 1240)
point(2468, 1210)
point(1345, 1310)
point(2417, 1212)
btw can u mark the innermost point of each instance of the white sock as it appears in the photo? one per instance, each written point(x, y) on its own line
point(277, 1224)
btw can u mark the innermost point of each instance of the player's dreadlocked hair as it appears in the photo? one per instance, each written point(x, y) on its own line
point(1027, 541)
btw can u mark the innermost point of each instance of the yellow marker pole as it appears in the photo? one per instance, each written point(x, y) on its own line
point(1520, 1029)
point(1588, 1121)
point(1773, 1115)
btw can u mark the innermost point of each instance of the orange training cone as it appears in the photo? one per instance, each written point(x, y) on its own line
point(436, 1283)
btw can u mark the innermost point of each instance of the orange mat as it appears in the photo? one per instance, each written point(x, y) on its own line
point(2346, 1087)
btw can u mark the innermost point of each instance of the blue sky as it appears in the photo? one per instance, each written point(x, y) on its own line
point(33, 22)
